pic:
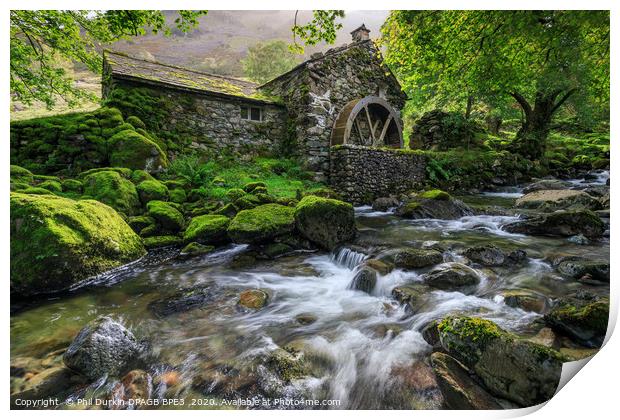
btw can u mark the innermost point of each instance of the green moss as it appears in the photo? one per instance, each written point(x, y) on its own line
point(53, 186)
point(251, 186)
point(112, 189)
point(74, 240)
point(178, 195)
point(435, 195)
point(218, 181)
point(135, 122)
point(20, 174)
point(139, 175)
point(154, 242)
point(72, 186)
point(289, 365)
point(138, 223)
point(166, 215)
point(235, 193)
point(474, 329)
point(194, 248)
point(227, 210)
point(124, 172)
point(261, 223)
point(207, 229)
point(324, 192)
point(248, 201)
point(132, 150)
point(325, 221)
point(150, 190)
point(36, 191)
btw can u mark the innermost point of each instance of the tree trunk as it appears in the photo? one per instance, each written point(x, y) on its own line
point(470, 104)
point(531, 137)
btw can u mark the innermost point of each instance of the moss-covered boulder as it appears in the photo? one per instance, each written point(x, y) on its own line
point(207, 229)
point(166, 215)
point(365, 280)
point(129, 149)
point(560, 223)
point(523, 372)
point(152, 189)
point(19, 174)
point(194, 249)
point(138, 223)
point(247, 201)
point(251, 186)
point(412, 258)
point(582, 316)
point(57, 242)
point(325, 221)
point(433, 204)
point(112, 189)
point(178, 195)
point(72, 186)
point(262, 223)
point(235, 193)
point(154, 242)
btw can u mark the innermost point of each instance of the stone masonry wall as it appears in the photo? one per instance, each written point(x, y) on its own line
point(189, 120)
point(316, 92)
point(361, 174)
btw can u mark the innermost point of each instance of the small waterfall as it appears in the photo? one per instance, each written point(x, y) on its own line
point(348, 258)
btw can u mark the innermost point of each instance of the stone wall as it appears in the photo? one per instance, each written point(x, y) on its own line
point(361, 174)
point(317, 90)
point(191, 120)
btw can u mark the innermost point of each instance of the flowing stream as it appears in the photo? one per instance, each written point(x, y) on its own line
point(367, 350)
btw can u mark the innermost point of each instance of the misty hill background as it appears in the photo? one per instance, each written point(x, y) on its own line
point(223, 37)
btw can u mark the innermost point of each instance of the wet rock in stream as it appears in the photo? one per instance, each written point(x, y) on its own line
point(561, 223)
point(551, 200)
point(494, 256)
point(365, 280)
point(452, 276)
point(182, 301)
point(103, 347)
point(411, 258)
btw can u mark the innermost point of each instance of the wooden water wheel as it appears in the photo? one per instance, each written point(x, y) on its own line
point(368, 121)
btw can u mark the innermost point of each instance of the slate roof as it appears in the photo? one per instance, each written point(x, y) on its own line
point(125, 67)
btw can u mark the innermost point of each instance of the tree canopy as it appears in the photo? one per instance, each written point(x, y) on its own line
point(42, 39)
point(267, 60)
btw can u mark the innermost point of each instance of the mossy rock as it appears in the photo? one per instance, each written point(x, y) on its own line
point(325, 221)
point(435, 195)
point(218, 182)
point(261, 223)
point(154, 242)
point(521, 371)
point(53, 186)
point(166, 215)
point(35, 191)
point(177, 195)
point(247, 202)
point(412, 258)
point(323, 192)
point(251, 186)
point(229, 210)
point(139, 223)
point(20, 174)
point(207, 229)
point(139, 175)
point(176, 183)
point(235, 193)
point(135, 122)
point(289, 365)
point(193, 249)
point(72, 186)
point(150, 190)
point(57, 242)
point(130, 149)
point(124, 172)
point(112, 189)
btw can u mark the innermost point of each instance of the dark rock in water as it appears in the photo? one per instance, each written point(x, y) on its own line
point(597, 191)
point(434, 204)
point(325, 222)
point(526, 300)
point(430, 333)
point(460, 391)
point(385, 203)
point(182, 301)
point(365, 280)
point(561, 223)
point(452, 276)
point(582, 316)
point(517, 370)
point(103, 347)
point(577, 267)
point(579, 239)
point(379, 266)
point(493, 256)
point(194, 249)
point(546, 184)
point(411, 258)
point(306, 319)
point(410, 294)
point(605, 201)
point(551, 200)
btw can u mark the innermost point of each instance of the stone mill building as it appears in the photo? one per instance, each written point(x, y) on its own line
point(337, 112)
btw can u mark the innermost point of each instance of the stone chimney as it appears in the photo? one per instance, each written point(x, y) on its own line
point(361, 34)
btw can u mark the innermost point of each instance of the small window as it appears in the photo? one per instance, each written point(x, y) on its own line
point(251, 113)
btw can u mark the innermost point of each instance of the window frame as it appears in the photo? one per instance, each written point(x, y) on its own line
point(247, 109)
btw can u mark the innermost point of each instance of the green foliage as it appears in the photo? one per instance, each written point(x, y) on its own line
point(322, 27)
point(267, 60)
point(444, 57)
point(40, 39)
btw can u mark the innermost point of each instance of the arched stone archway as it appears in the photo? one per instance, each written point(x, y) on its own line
point(369, 121)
